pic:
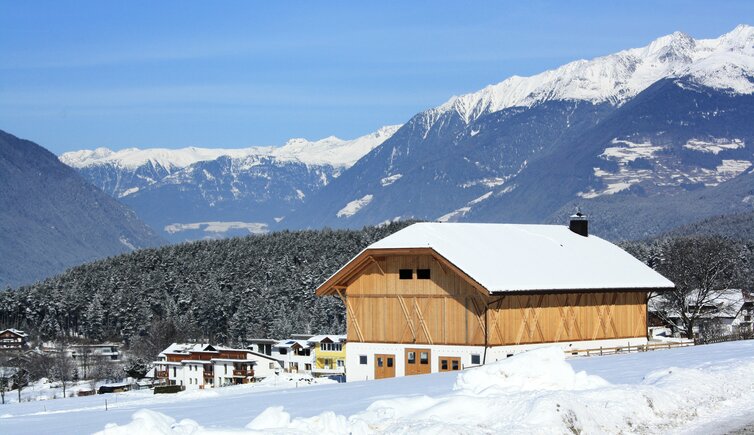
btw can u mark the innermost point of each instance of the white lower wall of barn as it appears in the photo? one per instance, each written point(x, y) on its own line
point(355, 371)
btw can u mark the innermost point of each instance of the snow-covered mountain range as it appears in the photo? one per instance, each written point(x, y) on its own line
point(725, 63)
point(331, 151)
point(664, 131)
point(671, 119)
point(204, 192)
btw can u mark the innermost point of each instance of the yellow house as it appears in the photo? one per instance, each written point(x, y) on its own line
point(329, 354)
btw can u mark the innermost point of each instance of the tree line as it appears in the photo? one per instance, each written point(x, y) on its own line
point(223, 291)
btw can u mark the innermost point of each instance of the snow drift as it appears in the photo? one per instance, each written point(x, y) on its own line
point(537, 391)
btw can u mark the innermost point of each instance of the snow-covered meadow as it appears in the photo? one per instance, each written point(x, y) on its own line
point(704, 389)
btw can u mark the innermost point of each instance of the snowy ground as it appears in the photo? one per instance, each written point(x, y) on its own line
point(704, 389)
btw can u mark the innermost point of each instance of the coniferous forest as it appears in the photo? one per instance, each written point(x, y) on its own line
point(224, 291)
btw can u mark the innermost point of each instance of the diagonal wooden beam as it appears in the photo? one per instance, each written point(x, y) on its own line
point(406, 313)
point(421, 321)
point(479, 314)
point(353, 315)
point(377, 263)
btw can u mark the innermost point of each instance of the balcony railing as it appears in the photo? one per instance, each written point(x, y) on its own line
point(243, 372)
point(161, 374)
point(209, 375)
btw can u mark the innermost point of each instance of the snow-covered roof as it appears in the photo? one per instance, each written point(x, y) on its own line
point(517, 257)
point(15, 331)
point(186, 348)
point(290, 343)
point(333, 338)
point(724, 304)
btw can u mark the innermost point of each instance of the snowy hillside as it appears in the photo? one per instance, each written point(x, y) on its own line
point(704, 389)
point(725, 63)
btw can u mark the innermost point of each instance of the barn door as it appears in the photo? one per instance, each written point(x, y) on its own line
point(449, 363)
point(384, 366)
point(418, 361)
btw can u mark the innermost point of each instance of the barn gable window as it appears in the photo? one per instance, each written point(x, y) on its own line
point(422, 274)
point(406, 274)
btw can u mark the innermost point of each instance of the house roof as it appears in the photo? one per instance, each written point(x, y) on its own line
point(332, 338)
point(501, 258)
point(15, 331)
point(185, 348)
point(290, 343)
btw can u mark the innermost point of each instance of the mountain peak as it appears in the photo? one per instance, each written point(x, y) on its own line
point(619, 76)
point(330, 150)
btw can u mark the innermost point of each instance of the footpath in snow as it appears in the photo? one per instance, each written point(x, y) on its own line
point(704, 389)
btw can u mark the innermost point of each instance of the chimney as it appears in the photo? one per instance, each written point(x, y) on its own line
point(579, 224)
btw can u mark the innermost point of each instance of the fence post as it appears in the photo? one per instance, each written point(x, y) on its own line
point(600, 350)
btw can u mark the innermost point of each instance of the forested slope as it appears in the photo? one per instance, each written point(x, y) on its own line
point(220, 290)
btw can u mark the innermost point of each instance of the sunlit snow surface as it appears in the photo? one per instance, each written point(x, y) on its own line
point(704, 389)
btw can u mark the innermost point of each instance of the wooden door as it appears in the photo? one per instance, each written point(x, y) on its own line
point(449, 363)
point(384, 366)
point(418, 361)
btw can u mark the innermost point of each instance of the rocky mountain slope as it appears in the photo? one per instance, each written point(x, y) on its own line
point(195, 193)
point(52, 219)
point(665, 129)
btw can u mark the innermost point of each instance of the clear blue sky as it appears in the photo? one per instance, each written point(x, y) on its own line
point(82, 74)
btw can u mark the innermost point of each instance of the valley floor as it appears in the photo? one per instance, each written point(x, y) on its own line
point(704, 389)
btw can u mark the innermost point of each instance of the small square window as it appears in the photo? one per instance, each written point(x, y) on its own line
point(422, 273)
point(406, 274)
point(444, 364)
point(389, 362)
point(455, 364)
point(379, 362)
point(411, 357)
point(362, 359)
point(424, 357)
point(475, 359)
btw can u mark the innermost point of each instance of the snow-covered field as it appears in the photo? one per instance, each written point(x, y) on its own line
point(704, 389)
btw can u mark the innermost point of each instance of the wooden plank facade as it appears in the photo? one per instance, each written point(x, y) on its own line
point(450, 308)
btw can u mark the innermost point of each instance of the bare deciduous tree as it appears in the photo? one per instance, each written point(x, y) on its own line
point(63, 367)
point(702, 268)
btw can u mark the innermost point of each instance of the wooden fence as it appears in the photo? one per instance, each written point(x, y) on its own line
point(628, 348)
point(743, 335)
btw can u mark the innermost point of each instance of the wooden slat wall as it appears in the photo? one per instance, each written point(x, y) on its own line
point(448, 310)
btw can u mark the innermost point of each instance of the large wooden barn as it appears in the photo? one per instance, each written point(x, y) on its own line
point(444, 296)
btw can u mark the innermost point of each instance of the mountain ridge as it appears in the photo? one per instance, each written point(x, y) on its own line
point(52, 219)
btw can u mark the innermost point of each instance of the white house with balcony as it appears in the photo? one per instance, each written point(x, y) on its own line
point(206, 366)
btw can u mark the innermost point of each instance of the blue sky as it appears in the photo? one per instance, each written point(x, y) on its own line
point(83, 74)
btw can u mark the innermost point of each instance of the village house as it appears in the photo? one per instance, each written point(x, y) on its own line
point(12, 339)
point(295, 354)
point(443, 296)
point(329, 355)
point(206, 366)
point(262, 345)
point(731, 312)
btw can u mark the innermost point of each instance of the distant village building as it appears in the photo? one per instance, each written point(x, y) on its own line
point(206, 366)
point(329, 355)
point(730, 313)
point(262, 345)
point(296, 354)
point(443, 296)
point(13, 339)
